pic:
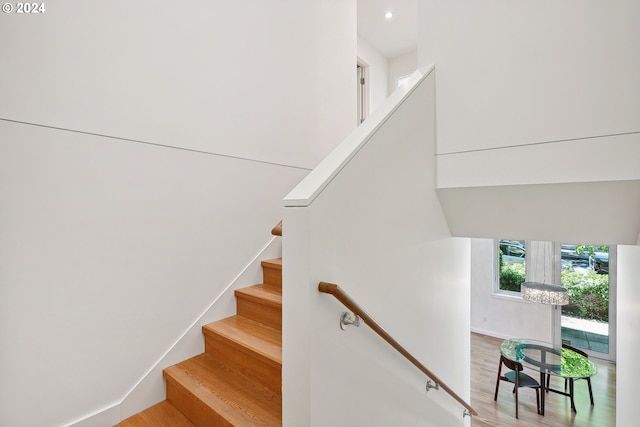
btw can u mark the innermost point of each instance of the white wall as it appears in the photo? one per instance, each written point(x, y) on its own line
point(513, 73)
point(401, 66)
point(628, 340)
point(524, 106)
point(110, 250)
point(561, 178)
point(378, 70)
point(376, 229)
point(112, 246)
point(582, 161)
point(202, 75)
point(500, 315)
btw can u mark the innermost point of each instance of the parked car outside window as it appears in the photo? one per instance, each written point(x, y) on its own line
point(513, 251)
point(599, 262)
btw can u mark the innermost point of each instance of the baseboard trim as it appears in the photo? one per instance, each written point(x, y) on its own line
point(490, 333)
point(105, 417)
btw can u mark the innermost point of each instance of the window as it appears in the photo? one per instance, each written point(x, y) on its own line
point(588, 321)
point(511, 265)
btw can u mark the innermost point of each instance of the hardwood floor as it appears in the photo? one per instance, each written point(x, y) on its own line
point(485, 355)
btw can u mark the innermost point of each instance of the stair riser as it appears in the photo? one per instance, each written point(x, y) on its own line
point(260, 312)
point(252, 365)
point(192, 407)
point(272, 277)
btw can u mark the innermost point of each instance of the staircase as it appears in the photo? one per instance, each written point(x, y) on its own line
point(237, 381)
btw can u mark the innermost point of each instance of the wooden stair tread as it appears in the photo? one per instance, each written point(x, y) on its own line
point(237, 399)
point(272, 263)
point(163, 414)
point(254, 336)
point(261, 293)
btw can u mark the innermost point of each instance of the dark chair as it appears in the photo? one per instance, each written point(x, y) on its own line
point(571, 380)
point(518, 378)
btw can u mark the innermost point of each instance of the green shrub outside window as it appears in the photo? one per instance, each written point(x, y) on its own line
point(511, 265)
point(588, 295)
point(511, 277)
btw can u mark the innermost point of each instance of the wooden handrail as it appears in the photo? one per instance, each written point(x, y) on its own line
point(277, 230)
point(340, 295)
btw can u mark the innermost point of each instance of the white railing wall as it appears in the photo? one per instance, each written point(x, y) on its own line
point(368, 219)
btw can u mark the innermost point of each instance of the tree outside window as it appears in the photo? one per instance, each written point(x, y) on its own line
point(512, 268)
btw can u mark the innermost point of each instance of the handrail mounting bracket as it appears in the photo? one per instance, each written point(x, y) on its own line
point(347, 319)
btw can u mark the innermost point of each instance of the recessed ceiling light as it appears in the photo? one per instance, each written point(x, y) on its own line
point(388, 15)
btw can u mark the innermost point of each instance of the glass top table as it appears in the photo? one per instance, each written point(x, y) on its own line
point(547, 358)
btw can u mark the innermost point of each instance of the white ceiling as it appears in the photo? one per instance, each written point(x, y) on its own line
point(392, 37)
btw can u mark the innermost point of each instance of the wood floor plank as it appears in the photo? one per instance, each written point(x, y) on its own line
point(485, 355)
